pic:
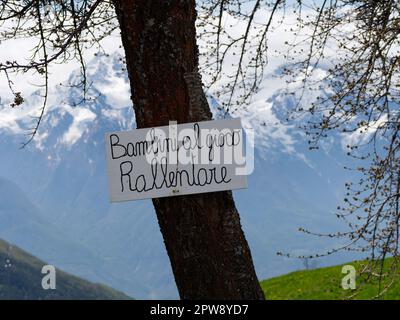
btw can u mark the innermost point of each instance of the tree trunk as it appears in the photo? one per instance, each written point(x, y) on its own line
point(209, 254)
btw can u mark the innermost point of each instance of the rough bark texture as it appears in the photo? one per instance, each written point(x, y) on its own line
point(209, 254)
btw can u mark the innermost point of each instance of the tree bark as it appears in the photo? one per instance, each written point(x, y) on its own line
point(208, 251)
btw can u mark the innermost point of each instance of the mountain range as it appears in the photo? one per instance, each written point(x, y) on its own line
point(54, 199)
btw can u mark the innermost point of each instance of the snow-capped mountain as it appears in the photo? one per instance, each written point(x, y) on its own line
point(62, 175)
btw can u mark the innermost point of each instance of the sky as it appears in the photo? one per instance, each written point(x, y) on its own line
point(19, 50)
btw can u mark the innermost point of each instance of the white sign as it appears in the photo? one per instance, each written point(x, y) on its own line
point(176, 160)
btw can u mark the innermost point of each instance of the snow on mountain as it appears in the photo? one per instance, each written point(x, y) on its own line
point(63, 173)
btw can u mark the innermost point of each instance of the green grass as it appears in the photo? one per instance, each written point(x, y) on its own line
point(325, 284)
point(22, 280)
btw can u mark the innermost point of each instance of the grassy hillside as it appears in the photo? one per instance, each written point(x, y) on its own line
point(325, 284)
point(21, 278)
